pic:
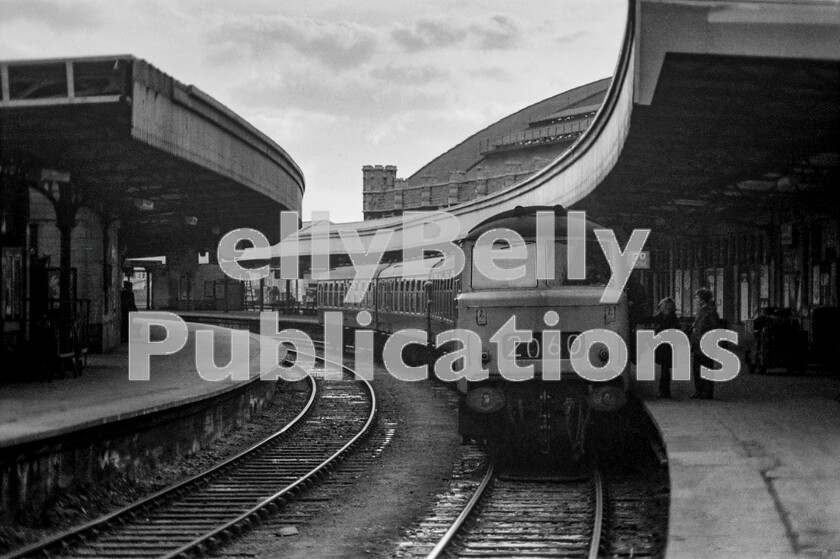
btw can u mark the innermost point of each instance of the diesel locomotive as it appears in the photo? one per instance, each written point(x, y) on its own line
point(549, 412)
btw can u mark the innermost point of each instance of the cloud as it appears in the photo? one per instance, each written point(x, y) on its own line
point(55, 15)
point(336, 45)
point(498, 32)
point(490, 72)
point(570, 37)
point(426, 34)
point(408, 75)
point(349, 96)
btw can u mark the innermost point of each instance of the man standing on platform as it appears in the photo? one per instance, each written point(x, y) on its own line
point(706, 318)
point(665, 319)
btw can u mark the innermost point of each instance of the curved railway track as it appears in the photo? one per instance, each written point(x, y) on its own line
point(522, 517)
point(198, 515)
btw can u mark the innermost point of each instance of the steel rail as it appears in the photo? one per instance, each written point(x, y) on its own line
point(87, 533)
point(94, 527)
point(598, 522)
point(439, 548)
point(269, 505)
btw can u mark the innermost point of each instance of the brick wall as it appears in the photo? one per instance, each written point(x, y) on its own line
point(385, 197)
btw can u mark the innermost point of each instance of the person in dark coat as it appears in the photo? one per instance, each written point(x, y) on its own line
point(127, 305)
point(666, 318)
point(706, 318)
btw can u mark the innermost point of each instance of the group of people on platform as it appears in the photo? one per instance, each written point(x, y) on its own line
point(705, 318)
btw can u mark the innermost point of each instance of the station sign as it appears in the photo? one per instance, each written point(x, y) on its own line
point(643, 262)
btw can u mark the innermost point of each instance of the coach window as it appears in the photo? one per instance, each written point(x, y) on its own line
point(392, 294)
point(421, 297)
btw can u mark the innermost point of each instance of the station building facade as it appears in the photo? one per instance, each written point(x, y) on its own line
point(789, 264)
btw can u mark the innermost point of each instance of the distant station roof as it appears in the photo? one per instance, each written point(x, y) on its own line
point(541, 129)
point(177, 166)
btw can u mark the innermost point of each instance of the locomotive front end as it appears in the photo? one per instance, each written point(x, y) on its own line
point(540, 340)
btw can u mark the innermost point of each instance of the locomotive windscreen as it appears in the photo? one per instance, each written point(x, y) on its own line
point(597, 269)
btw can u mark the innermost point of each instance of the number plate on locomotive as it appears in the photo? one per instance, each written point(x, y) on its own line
point(534, 348)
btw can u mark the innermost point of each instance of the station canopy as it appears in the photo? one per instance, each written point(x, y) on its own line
point(177, 167)
point(726, 141)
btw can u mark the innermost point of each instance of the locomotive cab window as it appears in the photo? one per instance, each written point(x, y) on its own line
point(517, 262)
point(597, 269)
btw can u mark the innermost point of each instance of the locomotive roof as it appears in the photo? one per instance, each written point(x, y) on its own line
point(412, 269)
point(523, 220)
point(348, 272)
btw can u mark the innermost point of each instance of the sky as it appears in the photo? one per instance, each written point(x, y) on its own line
point(340, 85)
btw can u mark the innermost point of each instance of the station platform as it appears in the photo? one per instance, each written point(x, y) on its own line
point(755, 473)
point(284, 320)
point(104, 394)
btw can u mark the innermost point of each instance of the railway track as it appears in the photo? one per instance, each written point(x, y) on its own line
point(511, 517)
point(201, 514)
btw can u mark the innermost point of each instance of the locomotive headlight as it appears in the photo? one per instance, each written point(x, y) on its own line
point(607, 398)
point(485, 399)
point(485, 357)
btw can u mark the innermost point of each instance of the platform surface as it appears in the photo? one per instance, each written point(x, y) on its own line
point(755, 473)
point(250, 315)
point(37, 410)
